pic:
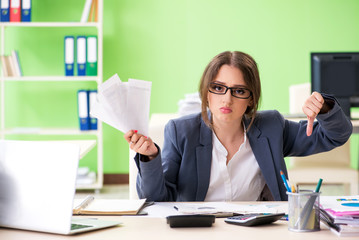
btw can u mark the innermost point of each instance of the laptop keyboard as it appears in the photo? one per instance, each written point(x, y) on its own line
point(75, 226)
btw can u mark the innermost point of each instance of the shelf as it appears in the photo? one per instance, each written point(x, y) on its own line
point(96, 185)
point(85, 145)
point(52, 78)
point(92, 139)
point(49, 24)
point(48, 131)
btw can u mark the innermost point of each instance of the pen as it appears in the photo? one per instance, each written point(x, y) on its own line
point(83, 204)
point(285, 181)
point(319, 185)
point(284, 218)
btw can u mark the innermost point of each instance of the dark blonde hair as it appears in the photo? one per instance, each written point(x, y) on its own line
point(248, 67)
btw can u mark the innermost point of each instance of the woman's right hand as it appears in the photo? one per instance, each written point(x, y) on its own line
point(141, 144)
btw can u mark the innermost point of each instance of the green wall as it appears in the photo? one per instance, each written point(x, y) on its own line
point(169, 43)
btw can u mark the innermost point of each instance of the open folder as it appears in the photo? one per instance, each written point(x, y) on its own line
point(92, 206)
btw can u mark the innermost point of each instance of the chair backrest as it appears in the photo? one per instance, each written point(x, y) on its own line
point(156, 133)
point(157, 125)
point(338, 157)
point(298, 93)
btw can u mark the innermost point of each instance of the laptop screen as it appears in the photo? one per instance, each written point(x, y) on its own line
point(37, 184)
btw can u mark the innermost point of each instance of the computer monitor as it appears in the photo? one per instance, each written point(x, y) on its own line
point(337, 73)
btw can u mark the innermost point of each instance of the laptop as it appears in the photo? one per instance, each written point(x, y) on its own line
point(38, 185)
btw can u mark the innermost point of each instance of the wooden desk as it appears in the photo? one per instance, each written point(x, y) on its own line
point(147, 228)
point(156, 228)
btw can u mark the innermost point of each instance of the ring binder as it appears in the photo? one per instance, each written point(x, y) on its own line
point(83, 110)
point(81, 55)
point(91, 64)
point(69, 55)
point(5, 11)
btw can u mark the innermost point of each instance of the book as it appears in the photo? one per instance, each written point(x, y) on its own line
point(86, 11)
point(4, 66)
point(91, 17)
point(96, 11)
point(16, 62)
point(10, 66)
point(92, 206)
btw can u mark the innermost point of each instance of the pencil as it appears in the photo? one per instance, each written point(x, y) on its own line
point(285, 181)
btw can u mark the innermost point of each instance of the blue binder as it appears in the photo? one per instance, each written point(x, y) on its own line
point(26, 10)
point(92, 99)
point(5, 11)
point(83, 110)
point(69, 48)
point(81, 55)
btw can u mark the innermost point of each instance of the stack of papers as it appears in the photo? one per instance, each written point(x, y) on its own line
point(218, 208)
point(123, 105)
point(191, 104)
point(341, 214)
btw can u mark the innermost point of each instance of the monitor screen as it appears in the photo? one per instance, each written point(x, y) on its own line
point(337, 73)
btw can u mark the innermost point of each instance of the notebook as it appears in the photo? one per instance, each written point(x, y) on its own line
point(37, 187)
point(92, 206)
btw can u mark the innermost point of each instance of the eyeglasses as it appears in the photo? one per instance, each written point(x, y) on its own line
point(237, 92)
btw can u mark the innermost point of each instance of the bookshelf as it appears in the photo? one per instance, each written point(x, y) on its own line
point(62, 133)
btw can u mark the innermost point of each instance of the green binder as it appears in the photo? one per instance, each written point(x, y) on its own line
point(91, 58)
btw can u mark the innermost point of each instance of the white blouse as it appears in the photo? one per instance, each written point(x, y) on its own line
point(240, 180)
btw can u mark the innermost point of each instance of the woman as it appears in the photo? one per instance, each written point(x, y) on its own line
point(231, 152)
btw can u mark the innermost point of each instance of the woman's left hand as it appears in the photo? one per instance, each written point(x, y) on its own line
point(311, 108)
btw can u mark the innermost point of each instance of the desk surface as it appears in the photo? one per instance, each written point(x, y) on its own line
point(147, 227)
point(135, 227)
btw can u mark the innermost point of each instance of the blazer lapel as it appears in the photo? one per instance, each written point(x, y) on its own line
point(263, 154)
point(204, 160)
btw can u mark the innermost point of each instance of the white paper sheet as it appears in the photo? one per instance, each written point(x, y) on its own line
point(163, 209)
point(124, 105)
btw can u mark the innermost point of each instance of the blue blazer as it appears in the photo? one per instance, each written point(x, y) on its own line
point(181, 172)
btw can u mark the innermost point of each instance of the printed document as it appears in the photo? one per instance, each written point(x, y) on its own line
point(123, 105)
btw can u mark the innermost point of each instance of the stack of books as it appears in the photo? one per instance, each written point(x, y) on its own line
point(341, 214)
point(11, 65)
point(90, 12)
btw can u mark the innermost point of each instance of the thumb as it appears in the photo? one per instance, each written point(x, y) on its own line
point(310, 126)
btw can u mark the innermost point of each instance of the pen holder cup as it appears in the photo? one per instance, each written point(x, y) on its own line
point(303, 211)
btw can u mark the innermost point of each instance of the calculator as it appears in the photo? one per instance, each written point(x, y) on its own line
point(254, 219)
